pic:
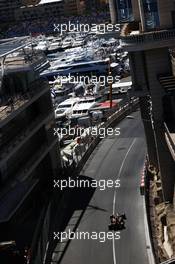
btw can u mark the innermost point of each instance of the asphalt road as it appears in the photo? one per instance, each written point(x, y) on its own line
point(116, 157)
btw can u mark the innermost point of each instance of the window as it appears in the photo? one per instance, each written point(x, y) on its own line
point(124, 8)
point(151, 14)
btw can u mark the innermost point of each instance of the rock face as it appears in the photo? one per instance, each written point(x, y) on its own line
point(162, 215)
point(171, 226)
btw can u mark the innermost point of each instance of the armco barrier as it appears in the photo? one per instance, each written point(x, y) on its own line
point(170, 261)
point(149, 214)
point(43, 236)
point(112, 120)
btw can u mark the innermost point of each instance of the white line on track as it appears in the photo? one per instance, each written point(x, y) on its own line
point(114, 199)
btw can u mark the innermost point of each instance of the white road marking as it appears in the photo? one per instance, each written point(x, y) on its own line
point(114, 199)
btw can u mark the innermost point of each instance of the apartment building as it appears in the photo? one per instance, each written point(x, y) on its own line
point(150, 41)
point(29, 153)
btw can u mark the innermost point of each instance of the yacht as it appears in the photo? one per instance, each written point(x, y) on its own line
point(54, 47)
point(83, 106)
point(75, 54)
point(60, 92)
point(65, 108)
point(74, 67)
point(42, 45)
point(78, 42)
point(67, 43)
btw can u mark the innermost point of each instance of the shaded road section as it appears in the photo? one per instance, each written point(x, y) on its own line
point(115, 157)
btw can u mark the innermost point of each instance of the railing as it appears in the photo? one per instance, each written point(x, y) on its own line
point(35, 60)
point(172, 55)
point(35, 160)
point(14, 102)
point(80, 152)
point(170, 140)
point(145, 37)
point(149, 212)
point(7, 144)
point(40, 241)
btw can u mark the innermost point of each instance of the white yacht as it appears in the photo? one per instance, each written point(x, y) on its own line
point(74, 67)
point(67, 42)
point(65, 108)
point(42, 45)
point(60, 91)
point(78, 42)
point(55, 46)
point(83, 106)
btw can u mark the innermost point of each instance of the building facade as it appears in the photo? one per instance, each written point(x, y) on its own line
point(149, 39)
point(121, 10)
point(29, 153)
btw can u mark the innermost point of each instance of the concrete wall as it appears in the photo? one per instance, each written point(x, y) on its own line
point(135, 7)
point(165, 9)
point(146, 66)
point(113, 11)
point(149, 133)
point(141, 87)
point(158, 62)
point(137, 66)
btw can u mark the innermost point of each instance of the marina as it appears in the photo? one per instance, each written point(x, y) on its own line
point(71, 70)
point(74, 61)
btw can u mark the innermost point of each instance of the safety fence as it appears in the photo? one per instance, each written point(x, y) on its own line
point(52, 218)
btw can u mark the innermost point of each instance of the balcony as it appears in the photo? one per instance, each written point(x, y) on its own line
point(13, 197)
point(11, 104)
point(27, 169)
point(35, 160)
point(170, 139)
point(172, 56)
point(11, 146)
point(134, 40)
point(167, 83)
point(36, 61)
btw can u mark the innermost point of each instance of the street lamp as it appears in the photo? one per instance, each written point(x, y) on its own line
point(111, 66)
point(110, 91)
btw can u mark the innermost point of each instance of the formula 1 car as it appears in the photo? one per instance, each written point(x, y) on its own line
point(117, 222)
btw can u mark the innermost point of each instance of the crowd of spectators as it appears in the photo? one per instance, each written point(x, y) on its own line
point(42, 26)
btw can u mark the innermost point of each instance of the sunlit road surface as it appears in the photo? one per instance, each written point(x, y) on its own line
point(116, 157)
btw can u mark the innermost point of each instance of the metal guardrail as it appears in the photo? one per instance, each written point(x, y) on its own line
point(82, 150)
point(146, 37)
point(169, 137)
point(149, 213)
point(7, 144)
point(38, 254)
point(170, 261)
